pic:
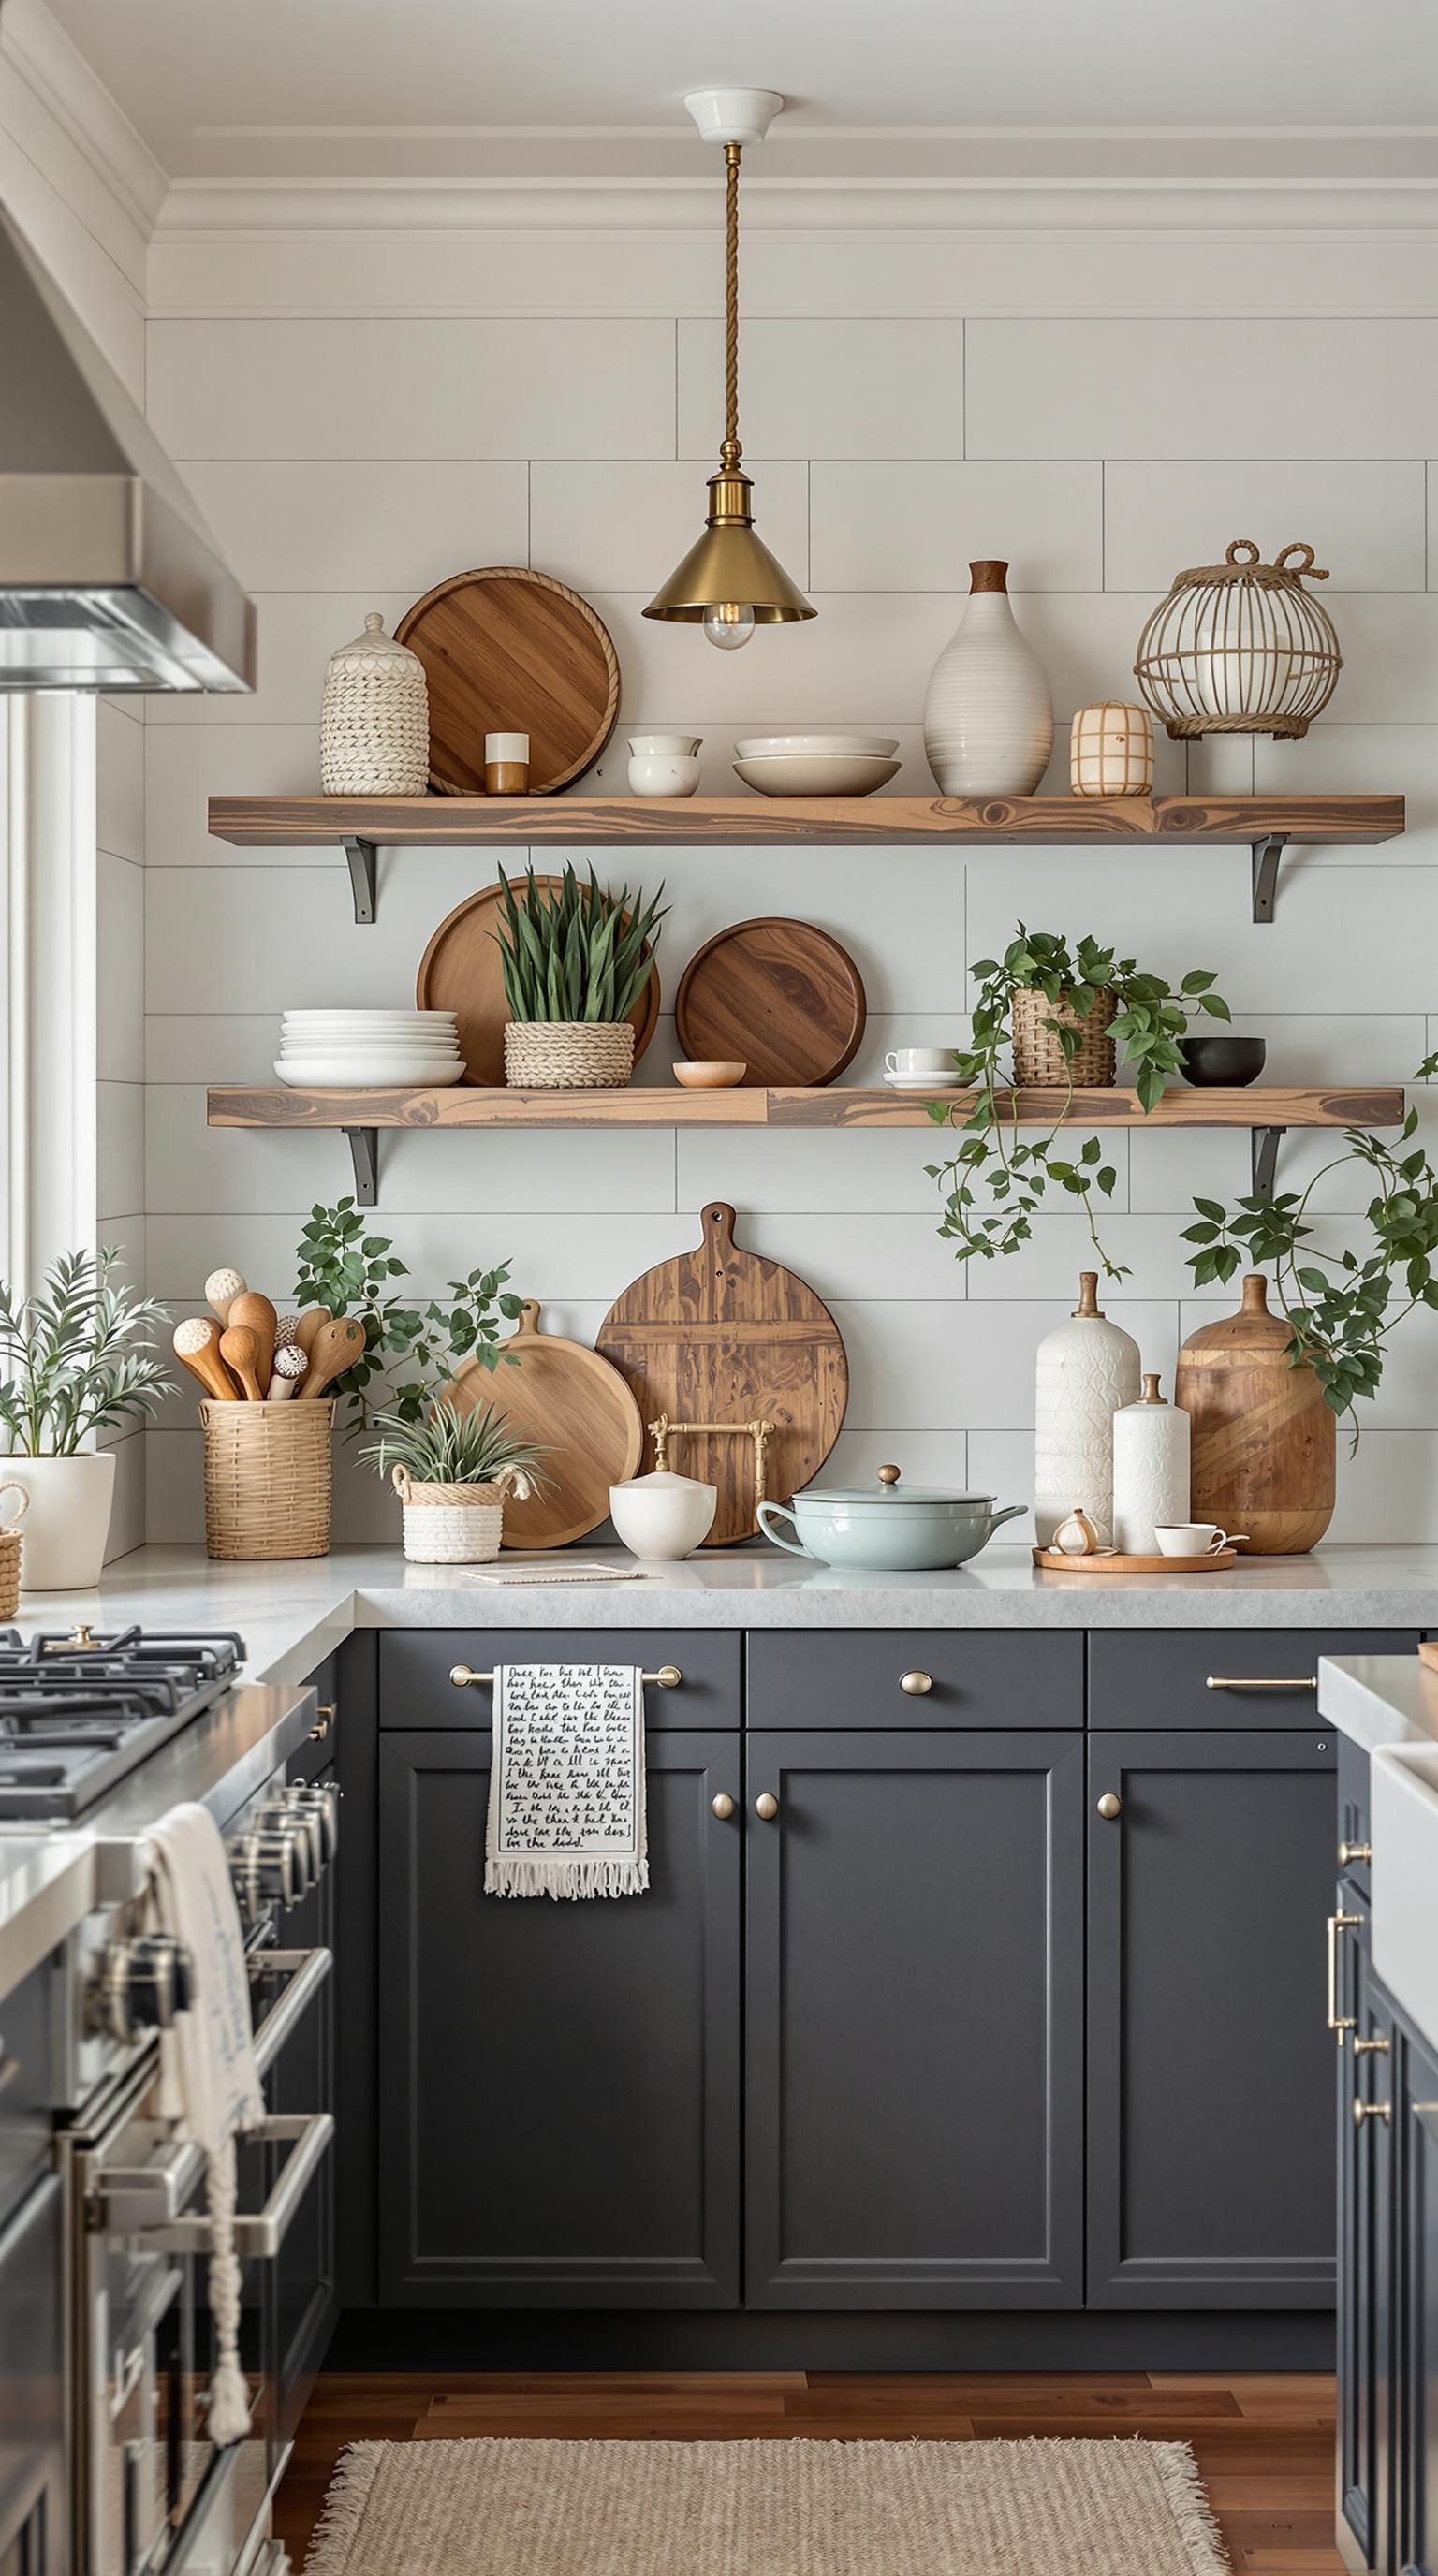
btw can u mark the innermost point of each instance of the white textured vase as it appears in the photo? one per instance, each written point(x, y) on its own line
point(988, 717)
point(1085, 1371)
point(1151, 1445)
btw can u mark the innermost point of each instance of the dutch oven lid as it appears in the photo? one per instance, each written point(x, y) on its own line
point(885, 1494)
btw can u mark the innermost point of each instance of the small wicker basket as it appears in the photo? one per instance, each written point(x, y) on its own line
point(10, 1553)
point(1038, 1057)
point(269, 1479)
point(454, 1524)
point(568, 1055)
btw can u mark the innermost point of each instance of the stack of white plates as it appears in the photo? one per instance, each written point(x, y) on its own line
point(816, 764)
point(352, 1050)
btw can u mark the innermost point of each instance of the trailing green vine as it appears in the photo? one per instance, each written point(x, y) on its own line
point(339, 1266)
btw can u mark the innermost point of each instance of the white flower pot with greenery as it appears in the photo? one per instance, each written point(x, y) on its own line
point(576, 961)
point(78, 1362)
point(452, 1471)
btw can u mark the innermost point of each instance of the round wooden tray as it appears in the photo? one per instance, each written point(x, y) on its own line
point(782, 996)
point(512, 651)
point(579, 1413)
point(462, 971)
point(1053, 1561)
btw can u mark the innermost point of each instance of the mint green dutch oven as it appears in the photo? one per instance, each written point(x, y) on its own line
point(876, 1529)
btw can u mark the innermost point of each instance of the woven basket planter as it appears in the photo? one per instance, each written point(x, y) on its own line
point(568, 1055)
point(1038, 1057)
point(10, 1553)
point(453, 1524)
point(268, 1479)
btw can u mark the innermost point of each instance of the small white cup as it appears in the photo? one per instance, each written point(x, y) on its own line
point(662, 746)
point(662, 774)
point(919, 1060)
point(506, 746)
point(1195, 1538)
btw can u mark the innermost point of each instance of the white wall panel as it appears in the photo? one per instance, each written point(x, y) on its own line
point(1366, 523)
point(821, 388)
point(297, 525)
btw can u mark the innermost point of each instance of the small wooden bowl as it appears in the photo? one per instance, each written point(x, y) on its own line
point(710, 1077)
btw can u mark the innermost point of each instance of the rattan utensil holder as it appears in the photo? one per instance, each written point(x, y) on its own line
point(1038, 1057)
point(568, 1055)
point(268, 1479)
point(453, 1524)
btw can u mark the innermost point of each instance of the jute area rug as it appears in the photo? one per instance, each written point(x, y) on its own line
point(794, 2508)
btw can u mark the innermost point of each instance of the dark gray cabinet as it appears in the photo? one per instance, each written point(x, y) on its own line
point(914, 2019)
point(1417, 2302)
point(558, 2106)
point(1365, 2073)
point(1210, 2138)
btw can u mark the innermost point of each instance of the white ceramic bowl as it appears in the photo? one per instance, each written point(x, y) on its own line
point(659, 746)
point(817, 746)
point(662, 774)
point(313, 1042)
point(800, 775)
point(367, 1073)
point(663, 1516)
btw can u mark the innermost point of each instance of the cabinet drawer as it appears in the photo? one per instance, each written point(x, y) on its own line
point(979, 1677)
point(1172, 1678)
point(414, 1668)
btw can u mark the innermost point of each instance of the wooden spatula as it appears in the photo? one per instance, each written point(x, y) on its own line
point(336, 1347)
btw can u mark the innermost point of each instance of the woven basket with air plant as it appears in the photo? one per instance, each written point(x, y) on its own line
point(452, 1471)
point(576, 960)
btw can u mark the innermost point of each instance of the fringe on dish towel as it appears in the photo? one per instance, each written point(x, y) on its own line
point(209, 2086)
point(566, 1791)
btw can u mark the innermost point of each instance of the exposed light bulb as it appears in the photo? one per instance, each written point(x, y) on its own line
point(728, 625)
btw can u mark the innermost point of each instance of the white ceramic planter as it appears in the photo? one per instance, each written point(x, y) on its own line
point(1085, 1370)
point(988, 717)
point(68, 1521)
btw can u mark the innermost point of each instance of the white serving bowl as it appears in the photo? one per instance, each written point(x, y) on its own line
point(345, 1042)
point(797, 775)
point(817, 746)
point(367, 1073)
point(663, 1517)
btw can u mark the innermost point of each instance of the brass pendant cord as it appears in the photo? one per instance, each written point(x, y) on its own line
point(731, 451)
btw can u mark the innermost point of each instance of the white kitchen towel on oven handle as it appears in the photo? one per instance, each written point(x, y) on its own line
point(210, 2086)
point(566, 1788)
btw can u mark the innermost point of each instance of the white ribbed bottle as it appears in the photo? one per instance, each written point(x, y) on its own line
point(988, 717)
point(1085, 1370)
point(1150, 1470)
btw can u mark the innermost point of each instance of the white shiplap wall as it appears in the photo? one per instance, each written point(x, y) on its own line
point(361, 409)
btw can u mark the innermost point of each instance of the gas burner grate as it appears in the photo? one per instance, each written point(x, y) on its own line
point(78, 1709)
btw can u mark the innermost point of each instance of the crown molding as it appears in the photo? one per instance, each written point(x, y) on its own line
point(37, 50)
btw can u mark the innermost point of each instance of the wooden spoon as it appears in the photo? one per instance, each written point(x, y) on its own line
point(336, 1347)
point(256, 1312)
point(221, 1289)
point(307, 1324)
point(197, 1347)
point(240, 1351)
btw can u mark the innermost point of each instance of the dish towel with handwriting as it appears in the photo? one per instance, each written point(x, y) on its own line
point(209, 2086)
point(566, 1793)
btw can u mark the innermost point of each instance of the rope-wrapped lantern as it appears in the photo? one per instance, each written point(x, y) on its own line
point(1240, 647)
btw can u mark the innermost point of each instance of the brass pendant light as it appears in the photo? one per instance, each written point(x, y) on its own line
point(729, 582)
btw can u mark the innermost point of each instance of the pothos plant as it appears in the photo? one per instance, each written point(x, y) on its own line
point(993, 1186)
point(342, 1267)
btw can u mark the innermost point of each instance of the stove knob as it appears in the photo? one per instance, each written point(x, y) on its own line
point(264, 1871)
point(277, 1817)
point(143, 1984)
point(323, 1805)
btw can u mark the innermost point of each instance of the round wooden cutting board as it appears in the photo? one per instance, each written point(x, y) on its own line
point(462, 971)
point(512, 651)
point(577, 1410)
point(721, 1336)
point(781, 996)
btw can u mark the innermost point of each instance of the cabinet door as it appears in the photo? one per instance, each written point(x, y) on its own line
point(914, 2011)
point(558, 2087)
point(1364, 2070)
point(1210, 2070)
point(1418, 2307)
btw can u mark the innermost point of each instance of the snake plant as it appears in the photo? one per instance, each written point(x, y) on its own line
point(582, 953)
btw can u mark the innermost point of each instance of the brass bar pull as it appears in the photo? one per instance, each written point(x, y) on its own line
point(668, 1677)
point(1372, 2111)
point(1261, 1681)
point(1353, 1851)
point(324, 1720)
point(1338, 2022)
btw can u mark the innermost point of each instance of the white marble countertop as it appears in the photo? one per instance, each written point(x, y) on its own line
point(292, 1615)
point(1379, 1699)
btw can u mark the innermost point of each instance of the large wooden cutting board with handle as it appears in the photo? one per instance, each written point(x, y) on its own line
point(722, 1336)
point(579, 1413)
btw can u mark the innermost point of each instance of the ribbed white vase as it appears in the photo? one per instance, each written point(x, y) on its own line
point(988, 717)
point(1151, 1444)
point(1085, 1370)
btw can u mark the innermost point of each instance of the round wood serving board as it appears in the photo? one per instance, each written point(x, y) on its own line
point(512, 651)
point(721, 1336)
point(1054, 1561)
point(781, 996)
point(462, 971)
point(577, 1410)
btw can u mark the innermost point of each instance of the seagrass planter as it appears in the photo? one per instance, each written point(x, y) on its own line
point(452, 1524)
point(269, 1479)
point(568, 1055)
point(1038, 1057)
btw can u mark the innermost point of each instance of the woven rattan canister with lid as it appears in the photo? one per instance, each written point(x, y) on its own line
point(1240, 647)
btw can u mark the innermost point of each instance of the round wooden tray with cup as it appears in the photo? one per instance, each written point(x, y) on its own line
point(1184, 1547)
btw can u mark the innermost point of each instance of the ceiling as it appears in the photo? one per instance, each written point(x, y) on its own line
point(292, 88)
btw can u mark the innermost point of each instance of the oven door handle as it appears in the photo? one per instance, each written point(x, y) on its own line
point(136, 2198)
point(309, 1969)
point(261, 2232)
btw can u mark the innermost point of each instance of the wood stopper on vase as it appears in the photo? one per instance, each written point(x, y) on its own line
point(1264, 1440)
point(988, 716)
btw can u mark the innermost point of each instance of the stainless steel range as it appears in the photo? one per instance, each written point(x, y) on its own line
point(105, 2468)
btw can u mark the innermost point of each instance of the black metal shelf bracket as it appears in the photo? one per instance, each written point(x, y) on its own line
point(1264, 1142)
point(1266, 855)
point(364, 1153)
point(361, 856)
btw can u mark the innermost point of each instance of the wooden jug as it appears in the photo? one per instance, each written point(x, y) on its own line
point(1264, 1444)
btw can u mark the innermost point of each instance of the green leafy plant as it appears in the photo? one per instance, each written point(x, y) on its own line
point(342, 1267)
point(78, 1356)
point(444, 1446)
point(1342, 1307)
point(1013, 1173)
point(581, 953)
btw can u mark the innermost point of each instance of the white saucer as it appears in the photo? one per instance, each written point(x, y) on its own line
point(924, 1082)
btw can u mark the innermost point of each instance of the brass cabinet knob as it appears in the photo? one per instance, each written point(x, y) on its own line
point(766, 1805)
point(916, 1684)
point(1110, 1806)
point(1370, 2048)
point(1353, 1851)
point(722, 1807)
point(1372, 2111)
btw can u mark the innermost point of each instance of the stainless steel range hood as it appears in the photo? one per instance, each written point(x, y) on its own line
point(109, 578)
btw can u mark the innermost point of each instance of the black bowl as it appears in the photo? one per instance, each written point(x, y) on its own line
point(1222, 1060)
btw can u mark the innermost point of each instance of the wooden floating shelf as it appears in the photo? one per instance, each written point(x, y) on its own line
point(361, 825)
point(1264, 1114)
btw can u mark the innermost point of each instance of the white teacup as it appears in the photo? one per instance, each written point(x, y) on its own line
point(1197, 1538)
point(919, 1060)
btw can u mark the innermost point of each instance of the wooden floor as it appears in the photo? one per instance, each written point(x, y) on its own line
point(1263, 2441)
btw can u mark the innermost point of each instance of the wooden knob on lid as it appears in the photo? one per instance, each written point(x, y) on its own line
point(889, 1476)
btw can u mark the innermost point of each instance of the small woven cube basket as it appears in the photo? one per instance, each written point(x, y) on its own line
point(1038, 1056)
point(450, 1524)
point(10, 1553)
point(269, 1478)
